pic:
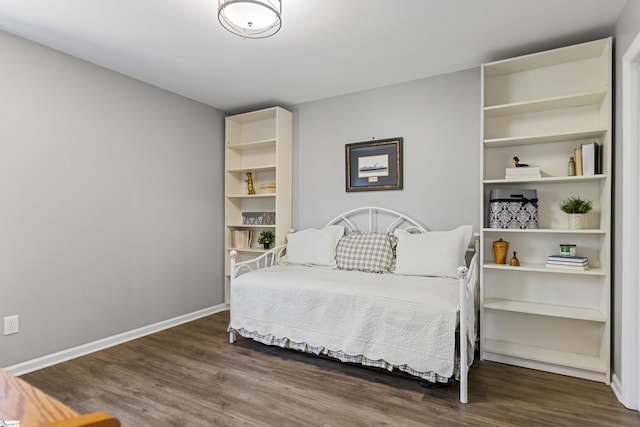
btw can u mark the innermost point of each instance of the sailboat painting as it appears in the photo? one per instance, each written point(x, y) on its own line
point(374, 165)
point(370, 166)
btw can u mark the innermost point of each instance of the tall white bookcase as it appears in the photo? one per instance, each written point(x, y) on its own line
point(258, 142)
point(540, 107)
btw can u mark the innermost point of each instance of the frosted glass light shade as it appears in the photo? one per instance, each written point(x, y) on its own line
point(252, 19)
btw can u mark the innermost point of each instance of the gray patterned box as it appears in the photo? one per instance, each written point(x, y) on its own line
point(515, 209)
point(258, 218)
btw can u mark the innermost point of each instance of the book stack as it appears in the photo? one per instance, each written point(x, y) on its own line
point(241, 239)
point(523, 173)
point(588, 159)
point(568, 262)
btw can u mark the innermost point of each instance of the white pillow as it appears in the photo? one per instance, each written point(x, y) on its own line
point(314, 246)
point(435, 253)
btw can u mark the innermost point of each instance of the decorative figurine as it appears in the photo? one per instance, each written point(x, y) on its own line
point(516, 160)
point(249, 181)
point(514, 261)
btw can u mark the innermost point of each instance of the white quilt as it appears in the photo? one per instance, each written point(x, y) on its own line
point(400, 319)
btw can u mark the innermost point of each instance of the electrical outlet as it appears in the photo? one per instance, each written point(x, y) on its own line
point(11, 324)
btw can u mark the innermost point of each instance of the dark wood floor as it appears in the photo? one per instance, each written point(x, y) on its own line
point(190, 376)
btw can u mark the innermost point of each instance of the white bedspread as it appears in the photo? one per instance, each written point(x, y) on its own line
point(400, 319)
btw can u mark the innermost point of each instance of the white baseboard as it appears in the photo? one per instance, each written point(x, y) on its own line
point(616, 386)
point(84, 349)
point(628, 400)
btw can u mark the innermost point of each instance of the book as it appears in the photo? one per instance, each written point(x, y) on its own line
point(241, 239)
point(571, 264)
point(590, 157)
point(522, 170)
point(577, 157)
point(567, 267)
point(563, 258)
point(528, 172)
point(522, 177)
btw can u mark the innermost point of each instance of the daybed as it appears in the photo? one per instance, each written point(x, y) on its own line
point(371, 287)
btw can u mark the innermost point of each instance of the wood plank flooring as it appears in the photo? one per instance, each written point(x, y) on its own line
point(191, 376)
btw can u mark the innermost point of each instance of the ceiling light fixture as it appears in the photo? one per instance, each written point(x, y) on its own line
point(251, 19)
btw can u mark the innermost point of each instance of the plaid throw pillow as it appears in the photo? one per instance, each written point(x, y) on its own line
point(373, 252)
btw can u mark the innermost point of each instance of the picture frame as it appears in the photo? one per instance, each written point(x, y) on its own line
point(374, 165)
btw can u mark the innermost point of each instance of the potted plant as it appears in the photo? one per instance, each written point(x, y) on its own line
point(266, 238)
point(576, 208)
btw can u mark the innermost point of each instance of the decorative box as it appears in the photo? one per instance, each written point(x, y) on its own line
point(513, 209)
point(258, 218)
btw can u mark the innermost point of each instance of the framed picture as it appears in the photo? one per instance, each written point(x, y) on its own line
point(374, 165)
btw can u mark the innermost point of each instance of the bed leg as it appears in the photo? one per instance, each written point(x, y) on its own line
point(232, 337)
point(464, 396)
point(464, 367)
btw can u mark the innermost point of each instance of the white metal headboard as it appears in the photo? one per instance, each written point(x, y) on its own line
point(376, 219)
point(370, 218)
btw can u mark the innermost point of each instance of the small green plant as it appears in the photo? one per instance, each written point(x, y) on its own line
point(575, 205)
point(266, 237)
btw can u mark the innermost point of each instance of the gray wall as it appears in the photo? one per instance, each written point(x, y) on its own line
point(439, 119)
point(110, 202)
point(627, 28)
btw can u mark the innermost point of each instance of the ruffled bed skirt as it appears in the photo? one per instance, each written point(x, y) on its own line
point(343, 357)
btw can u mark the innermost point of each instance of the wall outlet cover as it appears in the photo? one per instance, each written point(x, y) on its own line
point(11, 325)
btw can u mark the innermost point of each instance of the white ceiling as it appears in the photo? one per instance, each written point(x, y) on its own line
point(325, 47)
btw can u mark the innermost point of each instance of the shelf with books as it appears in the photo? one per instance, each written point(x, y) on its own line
point(548, 162)
point(540, 268)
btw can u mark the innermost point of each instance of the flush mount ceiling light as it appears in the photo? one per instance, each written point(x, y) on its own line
point(251, 19)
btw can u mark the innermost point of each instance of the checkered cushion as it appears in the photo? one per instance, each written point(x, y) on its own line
point(373, 252)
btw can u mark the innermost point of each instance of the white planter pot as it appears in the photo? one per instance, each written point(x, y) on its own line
point(577, 221)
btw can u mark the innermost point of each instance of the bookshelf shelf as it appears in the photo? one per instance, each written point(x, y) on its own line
point(536, 105)
point(549, 179)
point(543, 138)
point(540, 268)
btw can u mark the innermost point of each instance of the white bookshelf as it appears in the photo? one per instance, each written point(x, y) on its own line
point(258, 142)
point(540, 107)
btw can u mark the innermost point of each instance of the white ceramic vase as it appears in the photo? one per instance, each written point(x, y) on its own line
point(577, 221)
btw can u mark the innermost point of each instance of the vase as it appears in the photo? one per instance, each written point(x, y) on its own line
point(500, 249)
point(250, 190)
point(266, 245)
point(577, 221)
point(514, 261)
